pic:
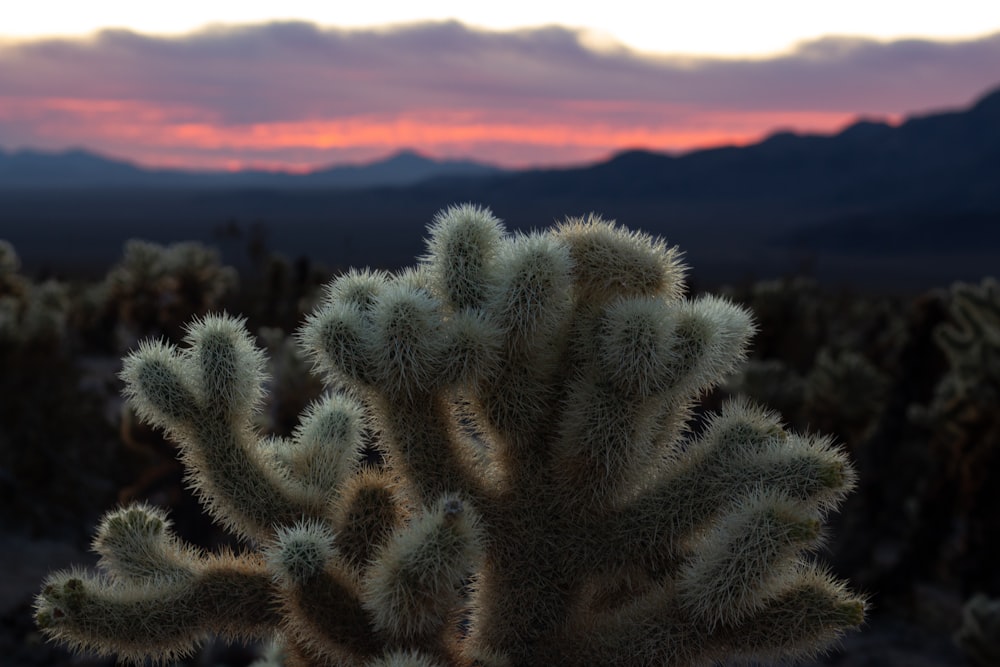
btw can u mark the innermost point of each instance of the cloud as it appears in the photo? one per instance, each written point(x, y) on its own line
point(265, 93)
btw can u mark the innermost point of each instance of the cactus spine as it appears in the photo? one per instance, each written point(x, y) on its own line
point(541, 500)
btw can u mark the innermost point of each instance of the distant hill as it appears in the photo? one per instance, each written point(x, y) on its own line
point(83, 169)
point(948, 158)
point(875, 206)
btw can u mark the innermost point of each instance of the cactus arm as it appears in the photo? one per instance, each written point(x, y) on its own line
point(369, 510)
point(325, 449)
point(204, 397)
point(136, 544)
point(323, 614)
point(744, 559)
point(530, 301)
point(657, 532)
point(810, 611)
point(413, 587)
point(813, 611)
point(405, 659)
point(391, 341)
point(462, 244)
point(603, 440)
point(650, 357)
point(741, 450)
point(158, 596)
point(610, 261)
point(161, 620)
point(424, 445)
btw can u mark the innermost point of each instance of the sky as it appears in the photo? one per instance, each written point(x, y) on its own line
point(298, 85)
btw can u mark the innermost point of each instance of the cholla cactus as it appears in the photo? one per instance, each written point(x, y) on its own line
point(979, 634)
point(772, 382)
point(10, 266)
point(972, 341)
point(846, 392)
point(31, 314)
point(154, 289)
point(48, 311)
point(539, 504)
point(794, 320)
point(960, 427)
point(13, 288)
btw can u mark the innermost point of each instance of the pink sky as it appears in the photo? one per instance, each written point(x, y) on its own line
point(294, 96)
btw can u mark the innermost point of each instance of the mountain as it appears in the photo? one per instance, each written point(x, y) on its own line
point(403, 168)
point(29, 168)
point(941, 157)
point(927, 190)
point(876, 205)
point(82, 169)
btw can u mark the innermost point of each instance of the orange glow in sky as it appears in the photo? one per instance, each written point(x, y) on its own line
point(182, 137)
point(301, 96)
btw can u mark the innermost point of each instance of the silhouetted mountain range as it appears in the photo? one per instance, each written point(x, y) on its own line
point(875, 205)
point(84, 169)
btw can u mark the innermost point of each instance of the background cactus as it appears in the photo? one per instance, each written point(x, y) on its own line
point(843, 393)
point(979, 635)
point(155, 289)
point(971, 341)
point(53, 442)
point(540, 499)
point(33, 316)
point(961, 424)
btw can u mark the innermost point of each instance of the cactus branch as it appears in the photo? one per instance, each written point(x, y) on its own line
point(540, 497)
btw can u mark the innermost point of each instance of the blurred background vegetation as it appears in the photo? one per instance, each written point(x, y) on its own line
point(909, 384)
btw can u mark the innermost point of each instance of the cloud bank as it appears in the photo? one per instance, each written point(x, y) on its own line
point(293, 95)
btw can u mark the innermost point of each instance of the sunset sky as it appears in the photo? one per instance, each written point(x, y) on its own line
point(226, 85)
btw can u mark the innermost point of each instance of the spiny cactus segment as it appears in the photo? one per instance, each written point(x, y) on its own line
point(541, 499)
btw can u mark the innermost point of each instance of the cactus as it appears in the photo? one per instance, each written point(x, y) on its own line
point(283, 291)
point(979, 635)
point(794, 320)
point(53, 442)
point(154, 289)
point(961, 423)
point(541, 500)
point(32, 315)
point(972, 342)
point(771, 382)
point(12, 284)
point(845, 393)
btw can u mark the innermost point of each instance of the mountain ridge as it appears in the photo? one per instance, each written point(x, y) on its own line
point(79, 167)
point(914, 203)
point(82, 168)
